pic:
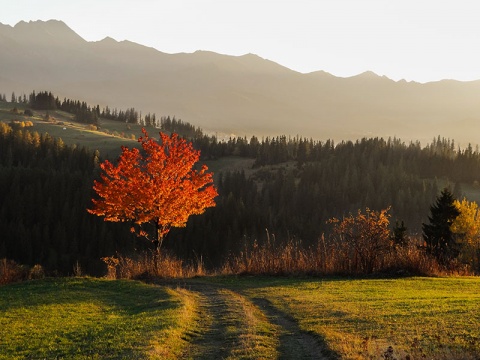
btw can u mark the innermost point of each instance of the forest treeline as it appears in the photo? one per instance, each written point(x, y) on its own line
point(295, 186)
point(87, 114)
point(45, 187)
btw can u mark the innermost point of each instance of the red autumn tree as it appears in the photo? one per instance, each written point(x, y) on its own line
point(158, 186)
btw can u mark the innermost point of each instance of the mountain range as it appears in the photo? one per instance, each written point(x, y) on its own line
point(241, 95)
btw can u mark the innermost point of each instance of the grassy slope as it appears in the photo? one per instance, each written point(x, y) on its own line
point(63, 126)
point(109, 145)
point(241, 317)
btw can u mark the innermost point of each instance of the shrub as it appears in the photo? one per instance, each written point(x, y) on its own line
point(36, 272)
point(364, 240)
point(11, 272)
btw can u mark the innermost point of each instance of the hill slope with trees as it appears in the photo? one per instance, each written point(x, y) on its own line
point(234, 94)
point(288, 187)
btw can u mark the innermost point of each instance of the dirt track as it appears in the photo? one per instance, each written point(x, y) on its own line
point(232, 328)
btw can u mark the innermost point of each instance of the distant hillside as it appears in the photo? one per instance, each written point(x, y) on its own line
point(243, 95)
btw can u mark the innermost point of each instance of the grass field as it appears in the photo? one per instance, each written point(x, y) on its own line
point(108, 139)
point(92, 318)
point(242, 318)
point(435, 317)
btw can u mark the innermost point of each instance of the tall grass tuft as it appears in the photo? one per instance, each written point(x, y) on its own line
point(327, 257)
point(272, 258)
point(149, 265)
point(11, 272)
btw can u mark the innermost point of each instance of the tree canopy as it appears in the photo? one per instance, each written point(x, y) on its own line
point(467, 227)
point(158, 186)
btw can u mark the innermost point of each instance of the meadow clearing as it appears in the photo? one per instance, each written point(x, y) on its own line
point(241, 317)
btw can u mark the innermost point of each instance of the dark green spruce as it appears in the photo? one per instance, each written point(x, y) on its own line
point(439, 239)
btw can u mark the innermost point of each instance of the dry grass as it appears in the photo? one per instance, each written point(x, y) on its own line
point(257, 337)
point(11, 272)
point(327, 258)
point(172, 344)
point(273, 259)
point(151, 265)
point(270, 258)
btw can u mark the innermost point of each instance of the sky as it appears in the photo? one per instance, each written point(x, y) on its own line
point(415, 40)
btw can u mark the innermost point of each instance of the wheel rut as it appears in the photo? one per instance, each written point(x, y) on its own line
point(232, 326)
point(294, 342)
point(215, 342)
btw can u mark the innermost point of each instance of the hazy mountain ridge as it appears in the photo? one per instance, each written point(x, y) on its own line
point(233, 94)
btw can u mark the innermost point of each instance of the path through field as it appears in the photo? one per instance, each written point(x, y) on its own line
point(294, 343)
point(233, 326)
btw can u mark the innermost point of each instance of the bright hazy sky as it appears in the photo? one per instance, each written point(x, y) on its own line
point(420, 40)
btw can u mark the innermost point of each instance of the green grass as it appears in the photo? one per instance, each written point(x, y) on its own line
point(355, 318)
point(78, 134)
point(72, 133)
point(435, 317)
point(77, 318)
point(6, 114)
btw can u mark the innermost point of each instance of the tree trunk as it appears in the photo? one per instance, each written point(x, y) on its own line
point(158, 238)
point(157, 243)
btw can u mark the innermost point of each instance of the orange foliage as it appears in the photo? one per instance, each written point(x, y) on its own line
point(364, 239)
point(160, 187)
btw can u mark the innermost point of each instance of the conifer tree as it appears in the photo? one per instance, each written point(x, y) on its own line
point(438, 235)
point(400, 233)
